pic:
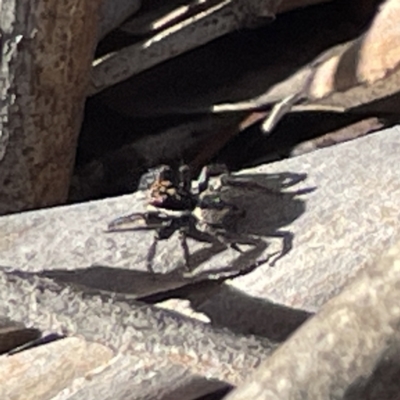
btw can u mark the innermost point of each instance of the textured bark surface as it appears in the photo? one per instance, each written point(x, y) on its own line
point(349, 350)
point(348, 220)
point(141, 378)
point(340, 205)
point(74, 369)
point(44, 371)
point(47, 49)
point(349, 217)
point(335, 235)
point(130, 327)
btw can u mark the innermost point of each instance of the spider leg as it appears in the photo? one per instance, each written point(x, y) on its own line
point(202, 180)
point(206, 173)
point(123, 223)
point(202, 236)
point(235, 246)
point(185, 247)
point(234, 239)
point(185, 180)
point(138, 221)
point(287, 243)
point(151, 253)
point(162, 233)
point(193, 232)
point(258, 245)
point(165, 225)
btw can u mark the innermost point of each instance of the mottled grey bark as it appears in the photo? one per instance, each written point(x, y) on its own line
point(130, 327)
point(47, 49)
point(349, 350)
point(133, 378)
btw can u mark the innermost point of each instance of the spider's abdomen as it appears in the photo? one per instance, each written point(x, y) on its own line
point(216, 213)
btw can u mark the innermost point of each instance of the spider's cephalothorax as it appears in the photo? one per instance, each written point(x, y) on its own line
point(192, 208)
point(172, 190)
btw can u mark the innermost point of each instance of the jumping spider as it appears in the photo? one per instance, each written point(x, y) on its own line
point(193, 208)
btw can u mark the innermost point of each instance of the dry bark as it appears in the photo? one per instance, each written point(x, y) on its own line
point(44, 371)
point(349, 350)
point(350, 75)
point(130, 328)
point(215, 21)
point(47, 49)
